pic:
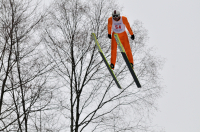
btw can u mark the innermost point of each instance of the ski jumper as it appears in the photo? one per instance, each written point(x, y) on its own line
point(119, 28)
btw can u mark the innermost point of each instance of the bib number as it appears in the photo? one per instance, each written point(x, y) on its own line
point(118, 27)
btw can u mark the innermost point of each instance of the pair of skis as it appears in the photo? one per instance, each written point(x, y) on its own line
point(124, 56)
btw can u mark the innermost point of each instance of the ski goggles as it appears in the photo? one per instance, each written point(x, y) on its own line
point(115, 16)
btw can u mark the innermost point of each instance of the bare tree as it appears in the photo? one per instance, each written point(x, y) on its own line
point(89, 99)
point(24, 72)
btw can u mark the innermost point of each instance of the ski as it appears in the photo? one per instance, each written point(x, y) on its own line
point(105, 61)
point(126, 60)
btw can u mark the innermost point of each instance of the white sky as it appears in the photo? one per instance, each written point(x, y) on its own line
point(174, 29)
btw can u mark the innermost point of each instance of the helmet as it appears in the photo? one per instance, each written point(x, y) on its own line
point(115, 13)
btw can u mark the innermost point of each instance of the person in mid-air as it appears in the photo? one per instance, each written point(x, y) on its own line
point(117, 24)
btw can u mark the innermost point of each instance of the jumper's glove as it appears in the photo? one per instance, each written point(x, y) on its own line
point(133, 37)
point(109, 36)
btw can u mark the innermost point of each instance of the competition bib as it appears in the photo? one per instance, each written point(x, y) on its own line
point(118, 26)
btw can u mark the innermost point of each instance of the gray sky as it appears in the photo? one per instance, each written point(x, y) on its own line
point(174, 29)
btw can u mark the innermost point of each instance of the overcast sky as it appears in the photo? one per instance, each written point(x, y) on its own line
point(174, 29)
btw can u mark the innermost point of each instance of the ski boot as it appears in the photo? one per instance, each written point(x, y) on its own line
point(132, 65)
point(112, 66)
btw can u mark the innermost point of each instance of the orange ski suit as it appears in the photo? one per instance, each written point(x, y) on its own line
point(123, 38)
